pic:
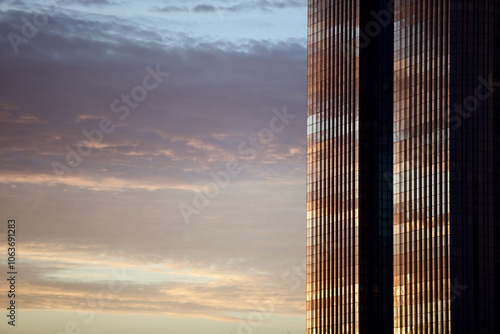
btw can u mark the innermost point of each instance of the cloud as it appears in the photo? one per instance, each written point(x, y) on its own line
point(84, 277)
point(19, 117)
point(204, 9)
point(86, 2)
point(75, 242)
point(119, 207)
point(261, 5)
point(264, 5)
point(227, 88)
point(170, 9)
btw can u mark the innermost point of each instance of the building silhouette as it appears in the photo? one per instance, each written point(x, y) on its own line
point(403, 166)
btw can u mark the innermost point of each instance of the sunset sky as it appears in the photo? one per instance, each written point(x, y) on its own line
point(153, 155)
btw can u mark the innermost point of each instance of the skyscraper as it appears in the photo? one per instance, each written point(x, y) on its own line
point(349, 201)
point(403, 166)
point(445, 169)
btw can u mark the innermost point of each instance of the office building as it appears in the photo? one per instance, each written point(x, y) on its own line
point(403, 172)
point(349, 201)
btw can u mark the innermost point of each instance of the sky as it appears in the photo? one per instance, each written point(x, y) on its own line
point(153, 157)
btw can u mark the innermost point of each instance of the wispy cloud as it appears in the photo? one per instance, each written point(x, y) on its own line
point(211, 90)
point(234, 6)
point(169, 9)
point(119, 208)
point(86, 2)
point(204, 9)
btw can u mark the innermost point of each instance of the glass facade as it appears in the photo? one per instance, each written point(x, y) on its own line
point(473, 126)
point(349, 199)
point(421, 167)
point(444, 166)
point(403, 174)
